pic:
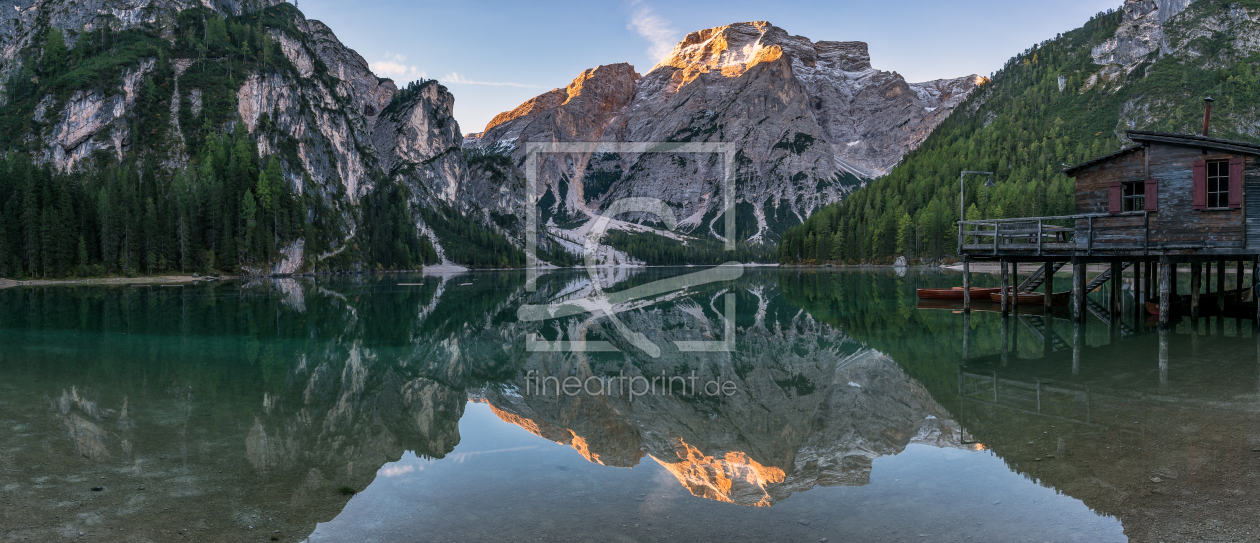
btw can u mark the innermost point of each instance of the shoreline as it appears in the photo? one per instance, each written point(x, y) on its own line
point(109, 281)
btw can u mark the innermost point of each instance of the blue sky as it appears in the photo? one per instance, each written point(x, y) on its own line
point(495, 54)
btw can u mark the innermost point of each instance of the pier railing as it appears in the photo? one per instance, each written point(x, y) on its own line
point(1064, 234)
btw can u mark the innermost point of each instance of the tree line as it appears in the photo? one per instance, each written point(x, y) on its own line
point(1047, 108)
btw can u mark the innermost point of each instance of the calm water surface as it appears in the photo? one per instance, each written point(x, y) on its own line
point(407, 408)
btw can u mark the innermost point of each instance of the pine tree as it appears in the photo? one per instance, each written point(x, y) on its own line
point(151, 247)
point(54, 60)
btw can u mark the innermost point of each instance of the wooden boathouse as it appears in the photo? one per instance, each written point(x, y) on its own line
point(1165, 201)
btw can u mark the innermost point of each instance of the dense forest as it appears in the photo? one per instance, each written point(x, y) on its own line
point(1047, 108)
point(230, 209)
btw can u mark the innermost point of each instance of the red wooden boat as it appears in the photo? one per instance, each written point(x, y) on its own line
point(955, 293)
point(1037, 298)
point(1207, 303)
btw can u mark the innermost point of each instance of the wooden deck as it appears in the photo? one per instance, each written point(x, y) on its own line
point(1103, 235)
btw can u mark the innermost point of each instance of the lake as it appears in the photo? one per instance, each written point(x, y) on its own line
point(660, 404)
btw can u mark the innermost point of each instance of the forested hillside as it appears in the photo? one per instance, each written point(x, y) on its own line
point(1048, 107)
point(173, 146)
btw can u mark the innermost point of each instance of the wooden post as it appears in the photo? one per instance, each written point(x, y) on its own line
point(966, 336)
point(1015, 285)
point(1165, 291)
point(1047, 344)
point(1150, 280)
point(1006, 291)
point(1078, 289)
point(1240, 280)
point(966, 284)
point(1255, 291)
point(1139, 268)
point(1163, 356)
point(1005, 326)
point(1196, 278)
point(1207, 272)
point(1078, 343)
point(1220, 287)
point(1137, 283)
point(1117, 269)
point(1049, 287)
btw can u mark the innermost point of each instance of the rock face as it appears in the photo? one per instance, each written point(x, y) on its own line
point(337, 129)
point(1141, 33)
point(807, 122)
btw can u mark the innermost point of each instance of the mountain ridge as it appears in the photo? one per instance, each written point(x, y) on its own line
point(1066, 100)
point(809, 120)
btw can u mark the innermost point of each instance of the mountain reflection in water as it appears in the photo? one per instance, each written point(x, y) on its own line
point(255, 410)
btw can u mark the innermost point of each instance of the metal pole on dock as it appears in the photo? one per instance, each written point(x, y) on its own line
point(1165, 292)
point(1078, 289)
point(966, 284)
point(1196, 278)
point(1006, 295)
point(1049, 275)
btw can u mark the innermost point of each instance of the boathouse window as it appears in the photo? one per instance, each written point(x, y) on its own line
point(1218, 184)
point(1134, 196)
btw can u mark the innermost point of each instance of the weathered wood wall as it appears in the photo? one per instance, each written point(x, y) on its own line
point(1251, 203)
point(1176, 222)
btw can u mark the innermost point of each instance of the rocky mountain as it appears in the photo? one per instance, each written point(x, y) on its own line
point(206, 96)
point(806, 121)
point(1147, 66)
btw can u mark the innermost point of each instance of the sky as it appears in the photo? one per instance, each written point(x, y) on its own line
point(495, 54)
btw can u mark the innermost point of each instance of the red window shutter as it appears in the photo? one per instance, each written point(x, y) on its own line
point(1116, 197)
point(1200, 184)
point(1235, 183)
point(1152, 195)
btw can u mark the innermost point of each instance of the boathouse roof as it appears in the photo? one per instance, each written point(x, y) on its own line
point(1143, 137)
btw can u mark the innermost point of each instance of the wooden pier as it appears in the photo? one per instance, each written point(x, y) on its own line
point(1168, 201)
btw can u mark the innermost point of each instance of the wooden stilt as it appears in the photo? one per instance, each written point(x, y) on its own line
point(1015, 282)
point(1138, 285)
point(966, 335)
point(1117, 269)
point(1006, 293)
point(966, 284)
point(1240, 279)
point(1078, 343)
point(1196, 278)
point(1078, 289)
point(1163, 355)
point(1006, 322)
point(1255, 290)
point(1049, 302)
point(1220, 286)
point(1165, 291)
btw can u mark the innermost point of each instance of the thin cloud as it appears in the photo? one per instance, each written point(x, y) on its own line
point(396, 67)
point(455, 78)
point(657, 30)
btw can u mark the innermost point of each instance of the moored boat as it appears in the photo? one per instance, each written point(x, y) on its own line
point(955, 293)
point(1207, 303)
point(1058, 298)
